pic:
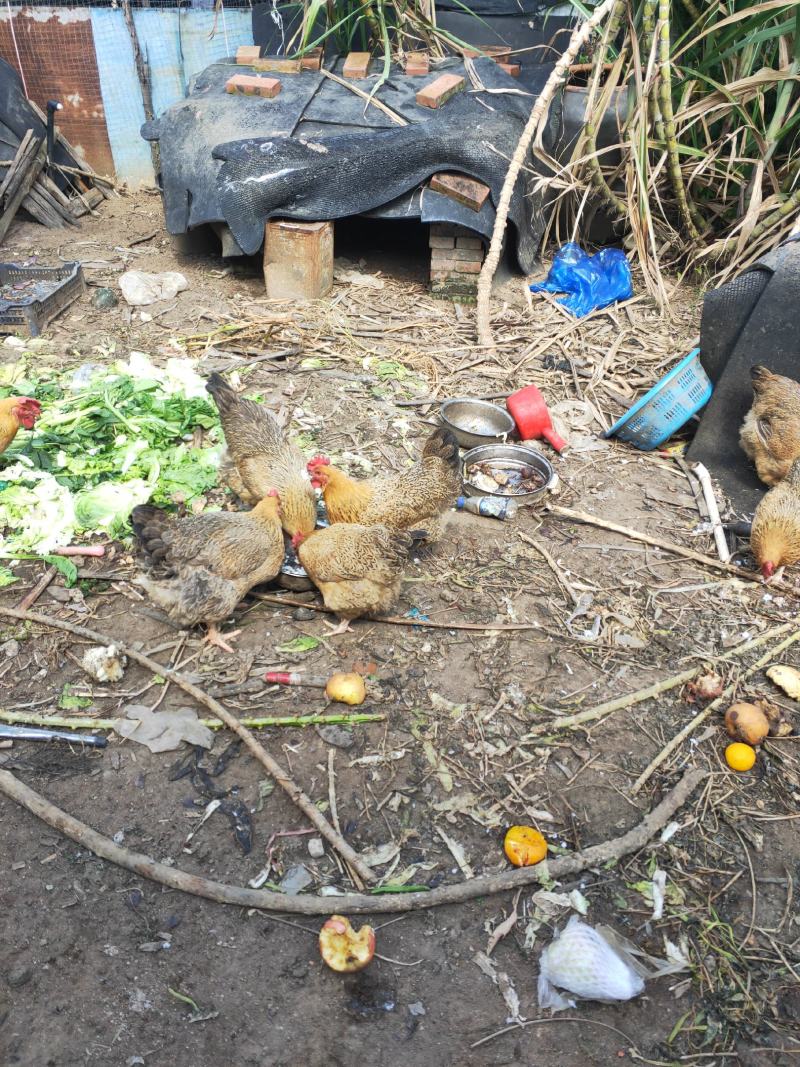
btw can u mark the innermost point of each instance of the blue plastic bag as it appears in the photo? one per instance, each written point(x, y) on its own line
point(591, 281)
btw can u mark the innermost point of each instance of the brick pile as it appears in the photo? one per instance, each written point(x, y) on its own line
point(456, 260)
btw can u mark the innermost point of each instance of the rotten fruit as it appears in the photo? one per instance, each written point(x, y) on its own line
point(524, 846)
point(346, 688)
point(343, 948)
point(746, 722)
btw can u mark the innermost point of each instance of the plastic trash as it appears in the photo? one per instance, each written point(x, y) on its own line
point(591, 282)
point(598, 964)
point(140, 288)
point(582, 962)
point(488, 506)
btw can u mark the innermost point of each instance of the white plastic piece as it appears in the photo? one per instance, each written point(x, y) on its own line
point(140, 288)
point(582, 962)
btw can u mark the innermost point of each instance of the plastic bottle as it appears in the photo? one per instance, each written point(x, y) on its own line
point(494, 507)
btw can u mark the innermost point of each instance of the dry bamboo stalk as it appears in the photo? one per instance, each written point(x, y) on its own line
point(649, 692)
point(354, 903)
point(536, 119)
point(259, 722)
point(312, 813)
point(701, 716)
point(713, 512)
point(393, 115)
point(667, 546)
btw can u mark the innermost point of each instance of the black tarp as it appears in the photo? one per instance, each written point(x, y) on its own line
point(753, 319)
point(316, 152)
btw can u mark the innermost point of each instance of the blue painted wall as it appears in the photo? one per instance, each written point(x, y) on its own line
point(177, 44)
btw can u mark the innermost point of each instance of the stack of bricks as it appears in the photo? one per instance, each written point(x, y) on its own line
point(456, 260)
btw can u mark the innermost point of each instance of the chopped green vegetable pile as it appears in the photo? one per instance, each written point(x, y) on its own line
point(109, 438)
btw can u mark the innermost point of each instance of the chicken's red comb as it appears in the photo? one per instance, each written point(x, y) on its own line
point(29, 401)
point(272, 492)
point(318, 461)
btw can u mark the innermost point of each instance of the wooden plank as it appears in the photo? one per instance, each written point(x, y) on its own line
point(23, 146)
point(32, 173)
point(45, 195)
point(39, 208)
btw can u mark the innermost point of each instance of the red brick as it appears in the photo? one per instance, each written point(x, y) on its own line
point(500, 53)
point(469, 242)
point(356, 66)
point(312, 60)
point(418, 63)
point(442, 242)
point(247, 54)
point(298, 259)
point(250, 85)
point(466, 191)
point(438, 92)
point(468, 255)
point(510, 68)
point(468, 268)
point(278, 65)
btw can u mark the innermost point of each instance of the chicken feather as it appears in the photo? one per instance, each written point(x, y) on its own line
point(770, 433)
point(200, 567)
point(358, 569)
point(259, 457)
point(775, 532)
point(416, 497)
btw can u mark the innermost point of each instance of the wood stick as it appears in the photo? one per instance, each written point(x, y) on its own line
point(667, 546)
point(396, 620)
point(353, 903)
point(649, 692)
point(701, 716)
point(260, 722)
point(312, 813)
point(365, 96)
point(538, 117)
point(713, 512)
point(31, 597)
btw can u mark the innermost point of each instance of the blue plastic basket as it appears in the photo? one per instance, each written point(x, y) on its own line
point(668, 406)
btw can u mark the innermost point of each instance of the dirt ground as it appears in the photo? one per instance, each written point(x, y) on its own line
point(98, 966)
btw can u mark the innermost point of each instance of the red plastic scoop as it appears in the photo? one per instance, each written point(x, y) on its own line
point(530, 413)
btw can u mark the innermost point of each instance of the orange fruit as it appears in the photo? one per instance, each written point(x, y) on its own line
point(524, 846)
point(740, 757)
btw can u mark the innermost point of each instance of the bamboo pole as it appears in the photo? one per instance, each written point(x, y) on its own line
point(258, 722)
point(569, 722)
point(715, 705)
point(667, 112)
point(537, 118)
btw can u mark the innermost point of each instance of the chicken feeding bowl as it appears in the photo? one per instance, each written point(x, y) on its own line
point(475, 422)
point(510, 458)
point(668, 406)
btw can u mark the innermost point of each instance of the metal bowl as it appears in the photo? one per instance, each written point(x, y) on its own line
point(476, 422)
point(512, 456)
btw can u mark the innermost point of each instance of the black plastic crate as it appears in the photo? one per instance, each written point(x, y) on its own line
point(48, 291)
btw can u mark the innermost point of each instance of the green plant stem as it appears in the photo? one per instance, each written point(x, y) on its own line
point(790, 204)
point(649, 30)
point(594, 115)
point(259, 722)
point(670, 135)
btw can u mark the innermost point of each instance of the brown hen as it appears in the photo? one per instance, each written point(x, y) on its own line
point(770, 433)
point(775, 533)
point(259, 457)
point(201, 566)
point(358, 569)
point(414, 498)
